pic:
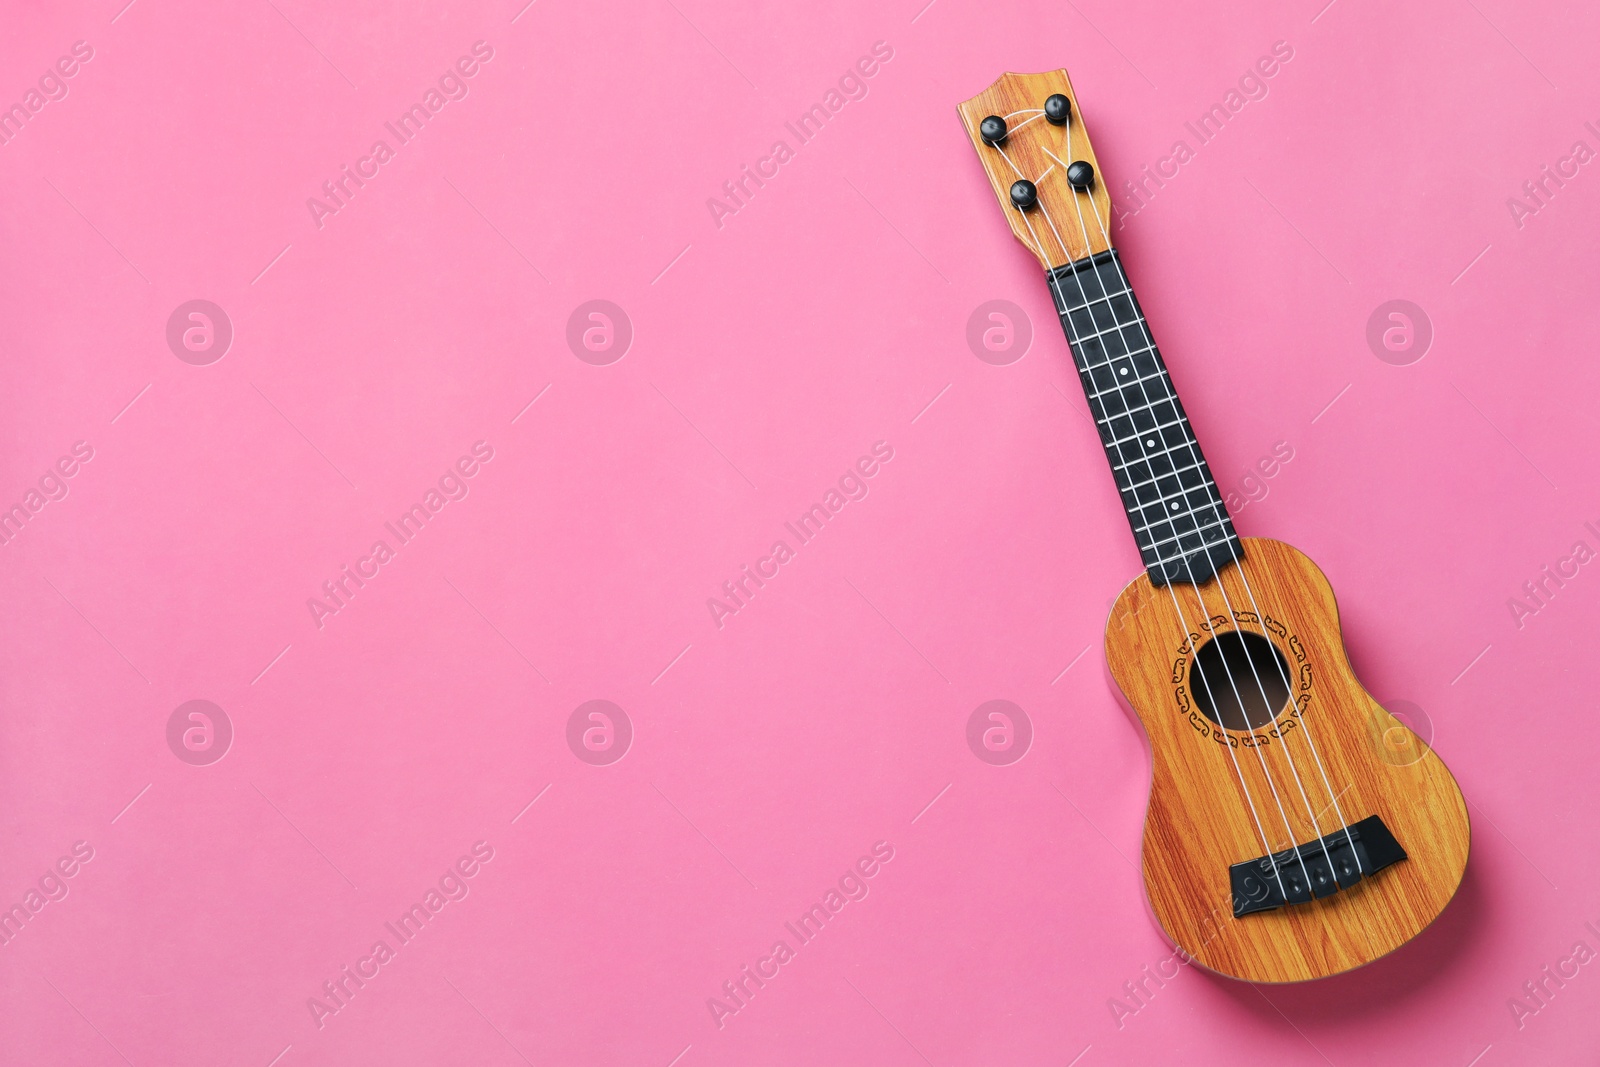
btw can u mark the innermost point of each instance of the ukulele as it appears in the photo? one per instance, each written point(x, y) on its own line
point(1295, 828)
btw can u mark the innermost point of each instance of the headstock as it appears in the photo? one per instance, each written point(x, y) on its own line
point(1064, 221)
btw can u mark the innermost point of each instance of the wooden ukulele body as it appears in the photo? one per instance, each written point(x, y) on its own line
point(1199, 821)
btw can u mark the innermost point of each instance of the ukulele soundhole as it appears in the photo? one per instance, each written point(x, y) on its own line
point(1238, 680)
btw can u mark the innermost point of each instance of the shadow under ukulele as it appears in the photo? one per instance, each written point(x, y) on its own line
point(1266, 791)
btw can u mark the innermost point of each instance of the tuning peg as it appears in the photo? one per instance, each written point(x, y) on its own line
point(1081, 175)
point(1057, 109)
point(1024, 194)
point(992, 129)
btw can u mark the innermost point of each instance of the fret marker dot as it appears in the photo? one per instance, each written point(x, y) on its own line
point(1174, 505)
point(1124, 370)
point(1150, 443)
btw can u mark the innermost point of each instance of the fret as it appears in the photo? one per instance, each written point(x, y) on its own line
point(1095, 300)
point(1219, 524)
point(1196, 560)
point(1144, 516)
point(1174, 508)
point(1093, 329)
point(1107, 298)
point(1105, 294)
point(1065, 279)
point(1164, 517)
point(1122, 341)
point(1128, 412)
point(1183, 491)
point(1121, 296)
point(1111, 344)
point(1175, 449)
point(1167, 437)
point(1119, 355)
point(1166, 454)
point(1129, 371)
point(1144, 417)
point(1150, 481)
point(1084, 281)
point(1186, 496)
point(1118, 309)
point(1231, 551)
point(1120, 306)
point(1160, 376)
point(1179, 421)
point(1114, 371)
point(1114, 327)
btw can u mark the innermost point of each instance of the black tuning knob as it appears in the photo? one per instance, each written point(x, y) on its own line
point(992, 129)
point(1024, 194)
point(1081, 175)
point(1057, 109)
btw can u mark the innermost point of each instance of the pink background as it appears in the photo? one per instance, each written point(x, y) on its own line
point(768, 354)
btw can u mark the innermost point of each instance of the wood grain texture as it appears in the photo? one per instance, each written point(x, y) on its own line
point(1199, 822)
point(1067, 225)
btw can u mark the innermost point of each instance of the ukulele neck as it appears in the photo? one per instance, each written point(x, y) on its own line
point(1178, 518)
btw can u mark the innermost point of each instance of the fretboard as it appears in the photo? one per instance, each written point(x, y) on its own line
point(1179, 521)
